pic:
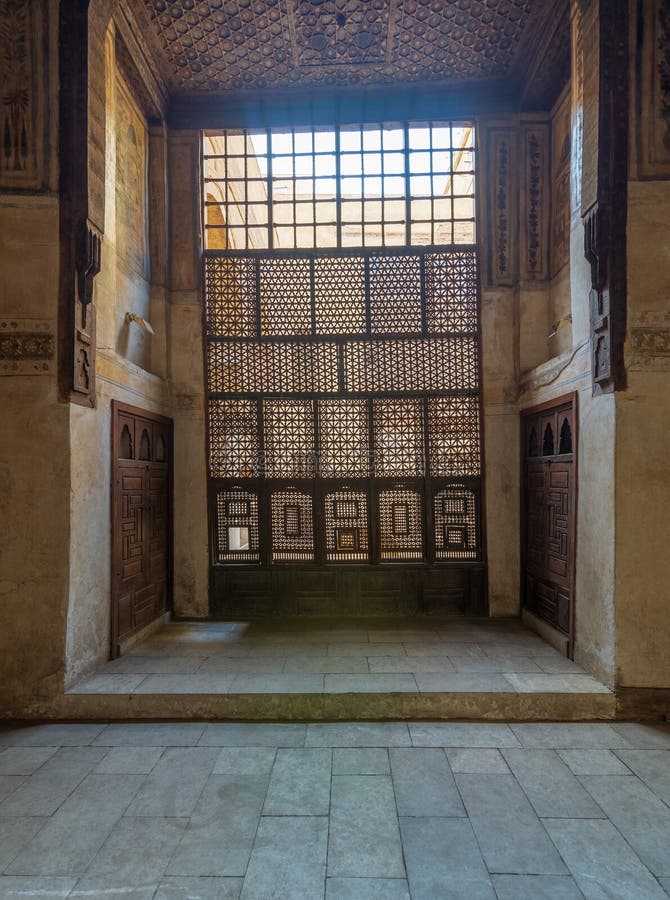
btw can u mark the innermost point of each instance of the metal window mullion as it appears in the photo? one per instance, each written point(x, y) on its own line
point(271, 228)
point(338, 184)
point(408, 198)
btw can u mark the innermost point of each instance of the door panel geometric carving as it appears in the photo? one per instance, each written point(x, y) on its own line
point(141, 520)
point(549, 513)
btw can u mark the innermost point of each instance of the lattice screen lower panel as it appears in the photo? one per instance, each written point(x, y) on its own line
point(344, 405)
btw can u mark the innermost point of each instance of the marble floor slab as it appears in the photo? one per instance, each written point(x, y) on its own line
point(336, 811)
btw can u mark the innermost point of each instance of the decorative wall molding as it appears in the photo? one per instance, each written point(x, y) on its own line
point(502, 205)
point(27, 347)
point(535, 202)
point(652, 76)
point(24, 94)
point(648, 348)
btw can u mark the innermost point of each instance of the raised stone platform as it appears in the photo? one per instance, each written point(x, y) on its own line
point(341, 670)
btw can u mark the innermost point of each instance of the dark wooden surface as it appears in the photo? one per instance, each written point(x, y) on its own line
point(141, 520)
point(549, 435)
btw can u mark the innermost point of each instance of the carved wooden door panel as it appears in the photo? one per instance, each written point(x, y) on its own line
point(141, 520)
point(549, 492)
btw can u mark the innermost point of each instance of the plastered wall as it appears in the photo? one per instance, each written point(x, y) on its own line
point(126, 355)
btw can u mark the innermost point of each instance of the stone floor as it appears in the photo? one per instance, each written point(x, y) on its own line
point(360, 656)
point(349, 810)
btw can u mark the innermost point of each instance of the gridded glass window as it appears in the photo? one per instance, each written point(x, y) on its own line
point(387, 185)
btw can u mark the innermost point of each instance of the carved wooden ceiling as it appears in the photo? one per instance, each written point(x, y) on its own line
point(240, 45)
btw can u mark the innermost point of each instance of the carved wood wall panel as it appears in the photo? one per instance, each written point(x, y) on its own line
point(141, 520)
point(535, 202)
point(502, 205)
point(652, 73)
point(25, 113)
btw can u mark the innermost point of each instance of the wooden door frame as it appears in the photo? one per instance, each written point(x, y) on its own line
point(117, 408)
point(525, 413)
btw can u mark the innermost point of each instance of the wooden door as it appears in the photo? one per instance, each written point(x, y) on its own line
point(548, 504)
point(141, 520)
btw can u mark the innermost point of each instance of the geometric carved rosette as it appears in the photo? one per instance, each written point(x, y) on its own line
point(343, 439)
point(233, 438)
point(451, 291)
point(454, 436)
point(230, 291)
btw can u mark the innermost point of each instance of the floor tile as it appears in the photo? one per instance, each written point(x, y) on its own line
point(462, 734)
point(358, 734)
point(206, 683)
point(108, 684)
point(288, 860)
point(149, 734)
point(652, 766)
point(536, 887)
point(557, 684)
point(137, 852)
point(15, 834)
point(24, 760)
point(155, 665)
point(550, 785)
point(221, 832)
point(8, 784)
point(392, 664)
point(205, 888)
point(593, 762)
point(361, 761)
point(277, 684)
point(559, 665)
point(366, 684)
point(242, 734)
point(52, 784)
point(356, 649)
point(257, 665)
point(640, 816)
point(299, 783)
point(174, 785)
point(498, 810)
point(443, 860)
point(601, 862)
point(462, 682)
point(129, 761)
point(54, 735)
point(327, 665)
point(569, 735)
point(521, 664)
point(88, 887)
point(364, 837)
point(641, 737)
point(474, 761)
point(367, 889)
point(245, 761)
point(423, 783)
point(70, 840)
point(11, 886)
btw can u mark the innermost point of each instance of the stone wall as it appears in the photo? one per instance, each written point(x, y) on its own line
point(126, 356)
